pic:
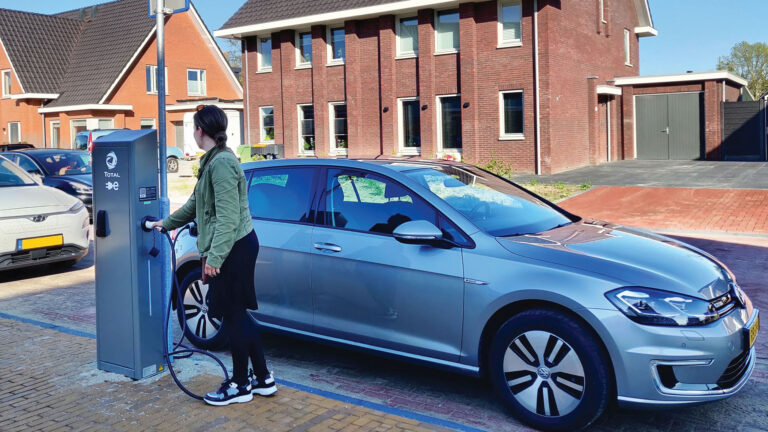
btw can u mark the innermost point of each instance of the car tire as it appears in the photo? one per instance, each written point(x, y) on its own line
point(550, 370)
point(173, 165)
point(202, 330)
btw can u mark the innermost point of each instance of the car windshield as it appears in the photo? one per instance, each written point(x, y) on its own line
point(66, 163)
point(497, 207)
point(81, 142)
point(12, 175)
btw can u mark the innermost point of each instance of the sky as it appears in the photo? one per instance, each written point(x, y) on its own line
point(692, 33)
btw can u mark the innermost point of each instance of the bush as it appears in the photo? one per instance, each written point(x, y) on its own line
point(499, 167)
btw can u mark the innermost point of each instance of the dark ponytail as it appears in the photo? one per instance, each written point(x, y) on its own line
point(212, 120)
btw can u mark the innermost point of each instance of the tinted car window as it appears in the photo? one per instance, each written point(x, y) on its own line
point(364, 201)
point(12, 175)
point(66, 163)
point(281, 193)
point(27, 165)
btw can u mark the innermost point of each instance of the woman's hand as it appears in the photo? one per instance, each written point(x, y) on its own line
point(211, 271)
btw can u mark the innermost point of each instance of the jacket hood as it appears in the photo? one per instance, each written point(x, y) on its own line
point(637, 257)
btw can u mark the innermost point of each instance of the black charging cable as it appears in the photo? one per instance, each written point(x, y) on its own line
point(179, 351)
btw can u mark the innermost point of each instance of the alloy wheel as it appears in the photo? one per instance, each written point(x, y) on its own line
point(544, 373)
point(173, 165)
point(196, 311)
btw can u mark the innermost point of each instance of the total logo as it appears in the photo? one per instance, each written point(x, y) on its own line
point(111, 160)
point(113, 185)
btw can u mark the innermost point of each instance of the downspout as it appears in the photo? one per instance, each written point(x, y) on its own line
point(536, 77)
point(45, 144)
point(246, 101)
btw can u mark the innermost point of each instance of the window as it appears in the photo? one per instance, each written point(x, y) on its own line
point(106, 124)
point(152, 79)
point(55, 134)
point(282, 194)
point(362, 201)
point(27, 165)
point(336, 46)
point(627, 55)
point(6, 83)
point(14, 132)
point(447, 31)
point(408, 36)
point(510, 17)
point(266, 124)
point(410, 126)
point(306, 129)
point(511, 107)
point(148, 123)
point(304, 49)
point(264, 53)
point(338, 117)
point(75, 127)
point(449, 122)
point(195, 82)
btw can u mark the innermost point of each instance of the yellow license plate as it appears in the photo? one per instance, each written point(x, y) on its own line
point(753, 331)
point(41, 242)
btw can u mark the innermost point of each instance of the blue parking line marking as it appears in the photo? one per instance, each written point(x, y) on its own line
point(301, 387)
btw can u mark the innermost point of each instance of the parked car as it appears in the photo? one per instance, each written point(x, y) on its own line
point(84, 141)
point(40, 224)
point(66, 170)
point(17, 146)
point(449, 265)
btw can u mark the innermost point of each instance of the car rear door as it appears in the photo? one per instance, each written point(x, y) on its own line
point(371, 289)
point(280, 201)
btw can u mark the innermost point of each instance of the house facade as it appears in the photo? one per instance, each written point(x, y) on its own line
point(527, 82)
point(96, 68)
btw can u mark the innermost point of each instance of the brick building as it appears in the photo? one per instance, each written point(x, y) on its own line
point(95, 68)
point(529, 82)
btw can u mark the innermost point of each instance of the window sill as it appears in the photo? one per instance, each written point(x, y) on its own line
point(511, 137)
point(192, 95)
point(409, 152)
point(263, 71)
point(304, 66)
point(335, 63)
point(406, 56)
point(339, 152)
point(307, 153)
point(510, 45)
point(439, 53)
point(261, 143)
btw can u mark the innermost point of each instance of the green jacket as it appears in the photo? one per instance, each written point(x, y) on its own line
point(220, 204)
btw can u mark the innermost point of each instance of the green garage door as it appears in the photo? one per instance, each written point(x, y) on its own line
point(670, 126)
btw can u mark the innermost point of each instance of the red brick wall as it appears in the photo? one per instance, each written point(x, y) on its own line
point(22, 111)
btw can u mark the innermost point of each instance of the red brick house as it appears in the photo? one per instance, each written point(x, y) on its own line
point(95, 68)
point(525, 81)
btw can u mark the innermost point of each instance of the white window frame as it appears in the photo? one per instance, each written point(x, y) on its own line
point(153, 83)
point(260, 68)
point(627, 48)
point(6, 77)
point(439, 105)
point(18, 124)
point(299, 63)
point(72, 133)
point(147, 119)
point(111, 120)
point(402, 149)
point(332, 129)
point(262, 133)
point(201, 78)
point(405, 54)
point(511, 43)
point(300, 114)
point(328, 34)
point(505, 136)
point(52, 125)
point(452, 50)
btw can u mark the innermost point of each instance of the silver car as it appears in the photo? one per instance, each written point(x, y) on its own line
point(450, 265)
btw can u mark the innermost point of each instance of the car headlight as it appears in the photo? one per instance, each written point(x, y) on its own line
point(77, 207)
point(80, 188)
point(662, 308)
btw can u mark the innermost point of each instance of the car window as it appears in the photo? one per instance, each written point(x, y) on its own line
point(27, 165)
point(281, 193)
point(12, 175)
point(363, 201)
point(67, 163)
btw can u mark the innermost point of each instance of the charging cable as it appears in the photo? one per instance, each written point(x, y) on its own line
point(179, 350)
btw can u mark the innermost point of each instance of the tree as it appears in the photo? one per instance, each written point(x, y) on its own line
point(231, 49)
point(751, 62)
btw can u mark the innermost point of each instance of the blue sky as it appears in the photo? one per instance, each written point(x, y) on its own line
point(692, 33)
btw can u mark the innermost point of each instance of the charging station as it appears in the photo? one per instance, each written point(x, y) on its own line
point(130, 304)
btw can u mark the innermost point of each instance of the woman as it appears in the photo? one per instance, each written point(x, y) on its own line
point(229, 246)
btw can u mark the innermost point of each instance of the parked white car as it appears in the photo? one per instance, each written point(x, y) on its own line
point(38, 224)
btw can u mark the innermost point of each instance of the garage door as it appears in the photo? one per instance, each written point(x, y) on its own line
point(670, 126)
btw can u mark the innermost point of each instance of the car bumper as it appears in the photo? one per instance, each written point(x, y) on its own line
point(38, 257)
point(661, 366)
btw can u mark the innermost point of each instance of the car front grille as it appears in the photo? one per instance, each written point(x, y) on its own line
point(735, 370)
point(27, 257)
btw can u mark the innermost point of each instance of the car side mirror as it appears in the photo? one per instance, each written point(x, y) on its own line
point(418, 232)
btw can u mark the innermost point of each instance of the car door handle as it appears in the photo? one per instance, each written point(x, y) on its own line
point(328, 246)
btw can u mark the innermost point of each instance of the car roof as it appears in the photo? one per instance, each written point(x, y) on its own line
point(394, 164)
point(46, 151)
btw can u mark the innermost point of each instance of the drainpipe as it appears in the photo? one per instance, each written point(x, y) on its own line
point(45, 144)
point(536, 77)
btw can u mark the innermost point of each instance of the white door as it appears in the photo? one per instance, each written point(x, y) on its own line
point(234, 126)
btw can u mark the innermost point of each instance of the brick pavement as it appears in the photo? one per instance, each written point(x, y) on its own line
point(712, 210)
point(49, 383)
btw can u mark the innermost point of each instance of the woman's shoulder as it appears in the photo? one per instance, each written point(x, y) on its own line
point(224, 161)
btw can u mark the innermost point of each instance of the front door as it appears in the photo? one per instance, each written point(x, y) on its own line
point(372, 289)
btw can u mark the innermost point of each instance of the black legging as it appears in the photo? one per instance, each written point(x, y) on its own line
point(231, 295)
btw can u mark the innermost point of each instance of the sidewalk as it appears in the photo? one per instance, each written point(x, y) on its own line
point(50, 383)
